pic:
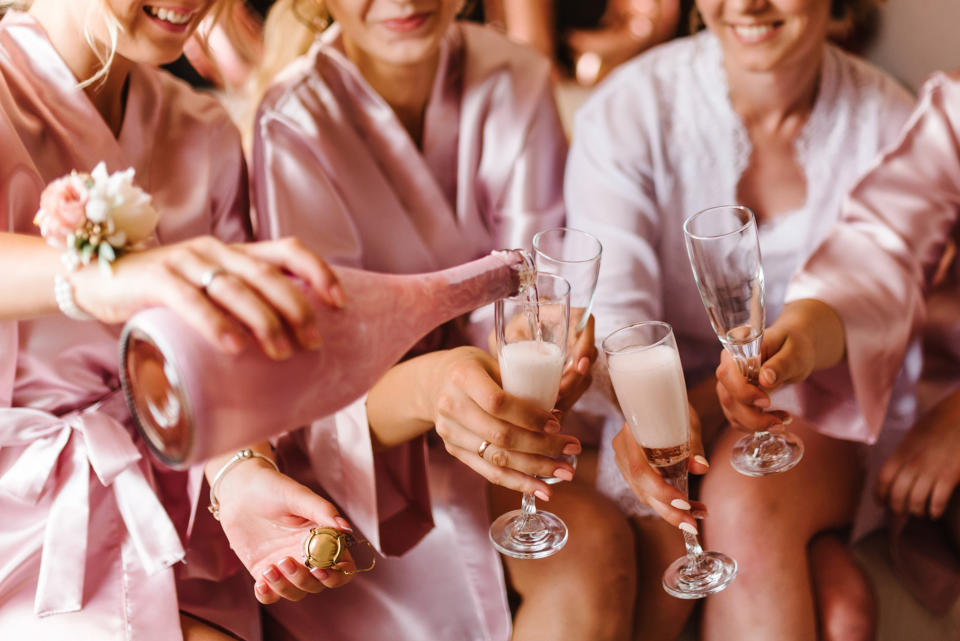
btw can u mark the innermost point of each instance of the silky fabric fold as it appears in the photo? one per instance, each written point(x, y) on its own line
point(334, 166)
point(659, 141)
point(900, 215)
point(91, 529)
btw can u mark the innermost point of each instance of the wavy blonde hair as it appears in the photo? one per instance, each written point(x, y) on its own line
point(107, 54)
point(289, 30)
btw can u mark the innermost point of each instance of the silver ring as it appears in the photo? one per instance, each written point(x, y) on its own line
point(211, 275)
point(483, 448)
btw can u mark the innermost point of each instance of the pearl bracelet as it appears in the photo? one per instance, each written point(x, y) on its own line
point(63, 293)
point(242, 455)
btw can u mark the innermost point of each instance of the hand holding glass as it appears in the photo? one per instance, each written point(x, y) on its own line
point(531, 363)
point(724, 253)
point(648, 379)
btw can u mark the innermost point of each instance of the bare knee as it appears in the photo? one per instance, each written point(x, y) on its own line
point(844, 594)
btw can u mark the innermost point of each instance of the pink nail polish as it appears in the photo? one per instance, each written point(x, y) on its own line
point(343, 523)
point(319, 574)
point(337, 296)
point(271, 574)
point(563, 473)
point(540, 494)
point(288, 566)
point(552, 426)
point(572, 448)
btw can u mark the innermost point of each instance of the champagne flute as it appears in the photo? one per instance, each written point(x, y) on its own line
point(648, 379)
point(574, 255)
point(724, 253)
point(531, 354)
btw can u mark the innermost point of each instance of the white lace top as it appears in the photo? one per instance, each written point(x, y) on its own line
point(660, 141)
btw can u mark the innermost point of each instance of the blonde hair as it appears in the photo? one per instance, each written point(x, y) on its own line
point(106, 54)
point(290, 28)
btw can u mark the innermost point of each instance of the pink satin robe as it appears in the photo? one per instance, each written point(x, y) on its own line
point(660, 141)
point(875, 269)
point(334, 166)
point(90, 531)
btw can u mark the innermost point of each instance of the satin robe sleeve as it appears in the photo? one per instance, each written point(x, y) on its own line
point(384, 494)
point(876, 264)
point(231, 221)
point(609, 192)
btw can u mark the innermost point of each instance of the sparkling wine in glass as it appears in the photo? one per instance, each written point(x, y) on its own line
point(531, 332)
point(724, 253)
point(574, 255)
point(648, 379)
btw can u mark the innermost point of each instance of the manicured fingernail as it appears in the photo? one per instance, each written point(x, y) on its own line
point(281, 347)
point(787, 419)
point(337, 296)
point(232, 342)
point(552, 426)
point(768, 376)
point(701, 460)
point(343, 523)
point(563, 473)
point(699, 514)
point(762, 402)
point(583, 365)
point(259, 588)
point(689, 529)
point(288, 566)
point(680, 504)
point(271, 574)
point(319, 574)
point(572, 448)
point(540, 494)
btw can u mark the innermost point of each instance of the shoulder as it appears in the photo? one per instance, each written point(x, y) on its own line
point(645, 91)
point(867, 87)
point(184, 112)
point(489, 52)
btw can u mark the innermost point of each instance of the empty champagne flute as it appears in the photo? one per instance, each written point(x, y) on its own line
point(574, 255)
point(724, 253)
point(647, 377)
point(531, 331)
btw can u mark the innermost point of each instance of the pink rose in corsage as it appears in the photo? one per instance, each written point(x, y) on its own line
point(95, 216)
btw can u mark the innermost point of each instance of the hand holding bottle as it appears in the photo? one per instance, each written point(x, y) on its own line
point(266, 516)
point(226, 292)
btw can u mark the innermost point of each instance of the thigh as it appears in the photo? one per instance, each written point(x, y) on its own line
point(197, 630)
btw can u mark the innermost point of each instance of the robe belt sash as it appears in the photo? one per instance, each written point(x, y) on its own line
point(66, 448)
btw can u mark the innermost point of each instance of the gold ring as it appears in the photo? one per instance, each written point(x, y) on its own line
point(483, 448)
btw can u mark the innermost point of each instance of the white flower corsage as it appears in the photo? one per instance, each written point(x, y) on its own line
point(95, 216)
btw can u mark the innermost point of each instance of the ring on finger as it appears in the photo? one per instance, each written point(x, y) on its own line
point(483, 448)
point(209, 276)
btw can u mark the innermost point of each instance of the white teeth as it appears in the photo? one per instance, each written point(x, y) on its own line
point(752, 32)
point(169, 15)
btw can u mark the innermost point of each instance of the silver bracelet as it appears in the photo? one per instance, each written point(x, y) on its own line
point(242, 455)
point(63, 293)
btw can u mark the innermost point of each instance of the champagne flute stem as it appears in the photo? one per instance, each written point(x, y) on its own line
point(760, 439)
point(528, 513)
point(690, 541)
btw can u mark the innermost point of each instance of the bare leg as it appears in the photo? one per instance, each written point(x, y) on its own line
point(660, 617)
point(844, 595)
point(197, 630)
point(585, 591)
point(767, 524)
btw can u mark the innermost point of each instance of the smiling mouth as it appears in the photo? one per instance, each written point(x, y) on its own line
point(171, 16)
point(408, 23)
point(755, 32)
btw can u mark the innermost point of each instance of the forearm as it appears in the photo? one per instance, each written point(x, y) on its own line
point(819, 323)
point(29, 266)
point(401, 405)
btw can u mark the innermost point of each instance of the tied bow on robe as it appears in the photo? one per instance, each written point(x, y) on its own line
point(81, 440)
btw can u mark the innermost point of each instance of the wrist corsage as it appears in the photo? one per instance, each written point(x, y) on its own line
point(96, 216)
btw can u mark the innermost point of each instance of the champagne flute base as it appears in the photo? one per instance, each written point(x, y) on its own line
point(696, 578)
point(534, 536)
point(764, 453)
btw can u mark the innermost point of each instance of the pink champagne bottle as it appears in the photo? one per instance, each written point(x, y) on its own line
point(192, 401)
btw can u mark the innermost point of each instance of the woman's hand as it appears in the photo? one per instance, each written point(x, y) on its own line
point(807, 336)
point(923, 472)
point(576, 375)
point(647, 484)
point(247, 291)
point(267, 517)
point(469, 407)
